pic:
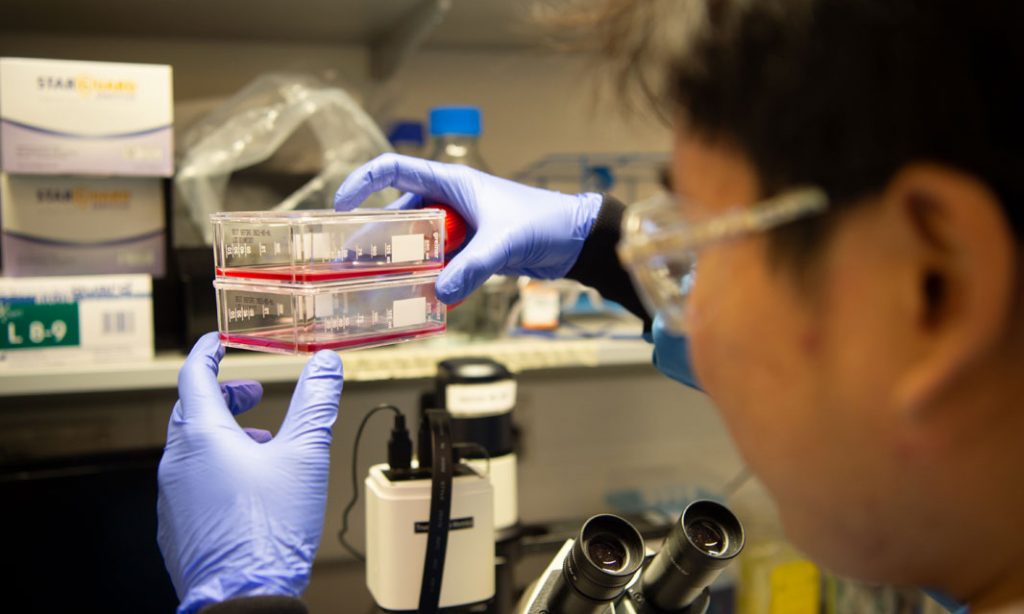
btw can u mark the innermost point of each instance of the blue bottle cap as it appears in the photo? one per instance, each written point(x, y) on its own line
point(455, 121)
point(408, 131)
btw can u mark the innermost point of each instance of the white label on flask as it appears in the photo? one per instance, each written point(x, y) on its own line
point(407, 248)
point(324, 305)
point(480, 400)
point(320, 248)
point(409, 311)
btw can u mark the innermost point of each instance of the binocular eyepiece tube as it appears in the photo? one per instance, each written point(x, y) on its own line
point(603, 566)
point(704, 541)
point(602, 562)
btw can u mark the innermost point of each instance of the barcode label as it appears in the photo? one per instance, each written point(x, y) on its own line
point(118, 323)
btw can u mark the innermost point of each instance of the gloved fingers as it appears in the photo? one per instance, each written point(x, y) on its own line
point(481, 258)
point(406, 201)
point(241, 395)
point(200, 394)
point(388, 170)
point(314, 405)
point(258, 435)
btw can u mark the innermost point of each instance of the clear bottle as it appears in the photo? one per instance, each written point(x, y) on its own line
point(455, 136)
point(455, 139)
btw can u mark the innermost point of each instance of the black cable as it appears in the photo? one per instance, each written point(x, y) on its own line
point(442, 472)
point(355, 476)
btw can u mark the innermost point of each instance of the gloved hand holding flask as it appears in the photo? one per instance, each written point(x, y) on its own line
point(516, 229)
point(240, 513)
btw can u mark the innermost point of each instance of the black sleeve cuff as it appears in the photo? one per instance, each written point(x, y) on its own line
point(598, 264)
point(257, 605)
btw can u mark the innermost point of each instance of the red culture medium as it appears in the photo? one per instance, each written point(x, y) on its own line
point(311, 347)
point(313, 275)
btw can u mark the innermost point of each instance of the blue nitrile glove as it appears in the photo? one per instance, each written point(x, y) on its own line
point(951, 605)
point(672, 355)
point(238, 516)
point(516, 229)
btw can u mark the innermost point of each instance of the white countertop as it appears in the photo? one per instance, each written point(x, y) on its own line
point(409, 361)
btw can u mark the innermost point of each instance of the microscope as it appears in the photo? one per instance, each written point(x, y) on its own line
point(607, 568)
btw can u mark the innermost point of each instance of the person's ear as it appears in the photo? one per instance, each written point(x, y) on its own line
point(965, 255)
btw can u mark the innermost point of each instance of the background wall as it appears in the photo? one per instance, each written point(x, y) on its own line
point(203, 68)
point(534, 103)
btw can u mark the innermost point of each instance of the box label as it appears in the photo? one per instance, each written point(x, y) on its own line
point(81, 226)
point(91, 118)
point(480, 400)
point(75, 320)
point(455, 524)
point(28, 326)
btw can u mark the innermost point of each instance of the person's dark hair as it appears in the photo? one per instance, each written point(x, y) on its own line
point(839, 93)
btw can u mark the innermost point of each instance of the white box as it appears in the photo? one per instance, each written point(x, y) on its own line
point(81, 225)
point(397, 524)
point(65, 117)
point(54, 321)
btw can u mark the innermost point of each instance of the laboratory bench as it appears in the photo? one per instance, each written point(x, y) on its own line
point(413, 361)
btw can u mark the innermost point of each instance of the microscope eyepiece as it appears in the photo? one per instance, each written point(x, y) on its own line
point(603, 560)
point(706, 539)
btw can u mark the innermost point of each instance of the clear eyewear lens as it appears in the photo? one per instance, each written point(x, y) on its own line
point(659, 245)
point(665, 283)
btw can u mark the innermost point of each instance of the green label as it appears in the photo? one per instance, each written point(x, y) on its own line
point(26, 325)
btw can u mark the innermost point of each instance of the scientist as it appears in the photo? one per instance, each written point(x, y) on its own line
point(849, 175)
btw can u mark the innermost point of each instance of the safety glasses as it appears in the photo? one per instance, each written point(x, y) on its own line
point(660, 243)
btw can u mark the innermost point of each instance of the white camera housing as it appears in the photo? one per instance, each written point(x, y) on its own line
point(397, 515)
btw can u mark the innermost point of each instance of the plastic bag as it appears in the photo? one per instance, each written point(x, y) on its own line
point(255, 123)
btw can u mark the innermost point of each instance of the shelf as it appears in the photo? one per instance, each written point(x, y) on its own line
point(413, 361)
point(392, 30)
point(468, 23)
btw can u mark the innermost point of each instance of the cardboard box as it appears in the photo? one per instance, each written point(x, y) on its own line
point(65, 117)
point(81, 225)
point(53, 321)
